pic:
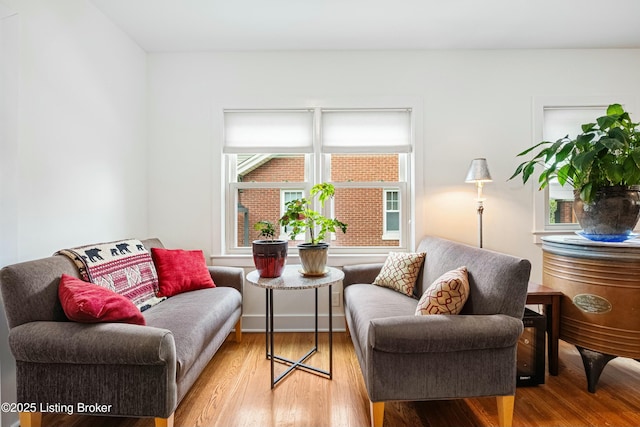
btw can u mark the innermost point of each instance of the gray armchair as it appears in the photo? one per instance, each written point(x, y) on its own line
point(407, 357)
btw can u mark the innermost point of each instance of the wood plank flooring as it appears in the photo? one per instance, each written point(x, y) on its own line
point(234, 390)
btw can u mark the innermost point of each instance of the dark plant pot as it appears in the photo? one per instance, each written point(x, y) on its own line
point(614, 212)
point(313, 258)
point(270, 257)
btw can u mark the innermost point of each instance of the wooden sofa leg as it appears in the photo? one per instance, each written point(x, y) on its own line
point(505, 410)
point(30, 419)
point(165, 422)
point(239, 330)
point(377, 413)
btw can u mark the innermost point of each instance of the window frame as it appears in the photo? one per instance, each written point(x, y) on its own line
point(386, 233)
point(541, 211)
point(317, 168)
point(283, 191)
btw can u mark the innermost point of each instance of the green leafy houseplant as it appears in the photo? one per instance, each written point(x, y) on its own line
point(266, 228)
point(605, 154)
point(299, 216)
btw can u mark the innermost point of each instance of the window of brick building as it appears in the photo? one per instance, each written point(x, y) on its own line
point(558, 121)
point(391, 216)
point(365, 153)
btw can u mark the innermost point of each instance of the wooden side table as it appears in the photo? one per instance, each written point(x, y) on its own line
point(550, 299)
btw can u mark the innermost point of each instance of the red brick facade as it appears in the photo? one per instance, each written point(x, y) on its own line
point(564, 213)
point(360, 208)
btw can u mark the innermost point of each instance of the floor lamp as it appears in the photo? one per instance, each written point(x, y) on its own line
point(479, 174)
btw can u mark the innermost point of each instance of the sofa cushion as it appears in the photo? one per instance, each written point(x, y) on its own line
point(384, 320)
point(400, 271)
point(365, 302)
point(446, 295)
point(180, 271)
point(90, 303)
point(195, 319)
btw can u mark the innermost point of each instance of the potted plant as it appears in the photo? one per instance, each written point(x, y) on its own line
point(602, 164)
point(300, 217)
point(269, 254)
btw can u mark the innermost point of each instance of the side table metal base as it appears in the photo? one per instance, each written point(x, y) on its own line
point(300, 363)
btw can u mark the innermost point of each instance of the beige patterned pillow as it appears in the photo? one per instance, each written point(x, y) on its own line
point(400, 271)
point(446, 295)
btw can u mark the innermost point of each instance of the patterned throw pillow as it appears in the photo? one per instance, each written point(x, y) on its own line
point(446, 295)
point(400, 271)
point(123, 266)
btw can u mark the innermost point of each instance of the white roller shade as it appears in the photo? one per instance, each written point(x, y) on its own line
point(366, 131)
point(269, 131)
point(559, 122)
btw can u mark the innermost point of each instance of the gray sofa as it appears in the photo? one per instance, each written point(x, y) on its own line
point(130, 370)
point(407, 357)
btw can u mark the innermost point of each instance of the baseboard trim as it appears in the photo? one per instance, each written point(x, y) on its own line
point(292, 323)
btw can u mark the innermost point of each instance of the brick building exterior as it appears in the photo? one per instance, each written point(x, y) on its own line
point(360, 208)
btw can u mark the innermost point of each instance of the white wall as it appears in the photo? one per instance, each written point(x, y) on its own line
point(75, 169)
point(82, 134)
point(9, 58)
point(476, 104)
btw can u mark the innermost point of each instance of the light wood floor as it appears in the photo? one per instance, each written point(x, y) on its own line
point(234, 391)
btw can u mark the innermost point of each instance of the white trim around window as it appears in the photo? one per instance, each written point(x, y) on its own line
point(395, 201)
point(315, 171)
point(541, 224)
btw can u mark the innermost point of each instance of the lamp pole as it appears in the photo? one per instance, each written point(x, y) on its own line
point(479, 184)
point(479, 174)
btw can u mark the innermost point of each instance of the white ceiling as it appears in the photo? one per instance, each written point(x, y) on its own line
point(188, 25)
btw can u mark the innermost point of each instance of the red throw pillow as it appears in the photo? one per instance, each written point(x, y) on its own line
point(90, 303)
point(180, 271)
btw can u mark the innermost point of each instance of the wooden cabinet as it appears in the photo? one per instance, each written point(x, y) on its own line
point(600, 308)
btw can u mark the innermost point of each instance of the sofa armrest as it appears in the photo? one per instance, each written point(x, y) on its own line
point(440, 333)
point(360, 273)
point(92, 343)
point(232, 277)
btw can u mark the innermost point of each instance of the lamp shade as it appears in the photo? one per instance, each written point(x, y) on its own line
point(478, 171)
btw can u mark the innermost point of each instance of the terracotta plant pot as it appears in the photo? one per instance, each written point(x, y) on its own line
point(270, 257)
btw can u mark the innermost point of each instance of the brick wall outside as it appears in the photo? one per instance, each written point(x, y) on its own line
point(360, 208)
point(564, 213)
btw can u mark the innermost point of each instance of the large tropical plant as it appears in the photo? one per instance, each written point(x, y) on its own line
point(300, 216)
point(605, 154)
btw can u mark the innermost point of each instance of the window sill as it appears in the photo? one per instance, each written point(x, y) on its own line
point(338, 260)
point(538, 235)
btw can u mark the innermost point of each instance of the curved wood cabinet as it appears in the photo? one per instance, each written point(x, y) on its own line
point(600, 309)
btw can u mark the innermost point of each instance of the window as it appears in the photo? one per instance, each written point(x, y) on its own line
point(285, 197)
point(557, 123)
point(273, 156)
point(391, 229)
point(554, 118)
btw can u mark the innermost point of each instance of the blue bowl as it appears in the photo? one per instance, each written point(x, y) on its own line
point(607, 237)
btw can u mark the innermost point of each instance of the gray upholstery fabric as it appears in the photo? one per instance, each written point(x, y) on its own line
point(408, 357)
point(194, 318)
point(140, 370)
point(30, 289)
point(360, 273)
point(495, 279)
point(91, 343)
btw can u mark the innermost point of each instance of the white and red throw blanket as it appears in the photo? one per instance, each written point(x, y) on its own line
point(124, 266)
